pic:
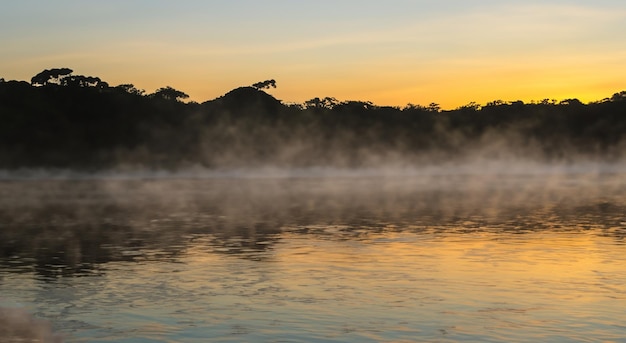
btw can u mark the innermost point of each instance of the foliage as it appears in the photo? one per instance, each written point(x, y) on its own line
point(325, 103)
point(169, 93)
point(130, 89)
point(48, 76)
point(75, 121)
point(265, 84)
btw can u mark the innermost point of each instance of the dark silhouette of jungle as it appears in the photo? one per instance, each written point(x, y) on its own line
point(62, 120)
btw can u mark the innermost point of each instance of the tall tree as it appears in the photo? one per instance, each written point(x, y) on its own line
point(265, 84)
point(54, 75)
point(169, 93)
point(130, 89)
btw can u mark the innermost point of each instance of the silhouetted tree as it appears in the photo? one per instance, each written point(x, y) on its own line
point(169, 93)
point(413, 107)
point(72, 123)
point(472, 106)
point(48, 76)
point(495, 103)
point(546, 102)
point(265, 84)
point(621, 96)
point(83, 81)
point(295, 105)
point(571, 102)
point(433, 107)
point(327, 102)
point(130, 89)
point(355, 106)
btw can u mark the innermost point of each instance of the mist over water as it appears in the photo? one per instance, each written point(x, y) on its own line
point(489, 251)
point(128, 216)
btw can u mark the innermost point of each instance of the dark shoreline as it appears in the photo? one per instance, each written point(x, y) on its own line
point(95, 127)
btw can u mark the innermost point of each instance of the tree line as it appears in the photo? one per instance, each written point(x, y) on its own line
point(63, 120)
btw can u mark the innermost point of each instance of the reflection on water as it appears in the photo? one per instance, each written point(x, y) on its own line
point(428, 258)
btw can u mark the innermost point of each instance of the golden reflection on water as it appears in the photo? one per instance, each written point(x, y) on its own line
point(494, 285)
point(389, 285)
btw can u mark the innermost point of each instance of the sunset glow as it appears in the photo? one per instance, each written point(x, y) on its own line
point(390, 53)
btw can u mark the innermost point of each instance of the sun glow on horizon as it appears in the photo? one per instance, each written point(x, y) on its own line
point(390, 54)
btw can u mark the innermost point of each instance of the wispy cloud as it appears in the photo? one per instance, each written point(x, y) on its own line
point(514, 27)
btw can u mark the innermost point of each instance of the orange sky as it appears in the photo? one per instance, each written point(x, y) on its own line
point(390, 53)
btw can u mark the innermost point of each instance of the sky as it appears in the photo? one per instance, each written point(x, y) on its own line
point(393, 52)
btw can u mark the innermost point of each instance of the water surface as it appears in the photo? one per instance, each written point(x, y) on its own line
point(469, 257)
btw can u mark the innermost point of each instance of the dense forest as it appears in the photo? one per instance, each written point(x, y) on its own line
point(62, 120)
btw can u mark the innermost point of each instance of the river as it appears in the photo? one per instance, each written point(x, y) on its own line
point(522, 256)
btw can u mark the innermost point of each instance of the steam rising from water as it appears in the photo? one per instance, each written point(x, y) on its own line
point(81, 220)
point(492, 192)
point(484, 167)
